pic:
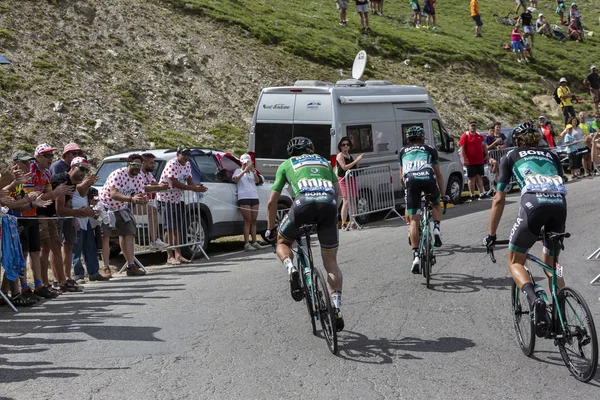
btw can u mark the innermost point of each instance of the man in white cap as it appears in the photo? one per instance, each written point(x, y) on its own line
point(564, 94)
point(542, 27)
point(593, 80)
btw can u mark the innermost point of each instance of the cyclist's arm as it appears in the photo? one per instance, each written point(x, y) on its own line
point(402, 178)
point(439, 178)
point(497, 210)
point(272, 209)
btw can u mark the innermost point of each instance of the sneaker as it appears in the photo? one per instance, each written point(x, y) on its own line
point(339, 320)
point(135, 271)
point(295, 287)
point(434, 29)
point(416, 264)
point(98, 278)
point(71, 286)
point(159, 244)
point(540, 318)
point(345, 23)
point(27, 292)
point(345, 227)
point(22, 301)
point(248, 247)
point(380, 14)
point(342, 23)
point(484, 196)
point(418, 26)
point(472, 198)
point(478, 35)
point(437, 237)
point(256, 245)
point(519, 60)
point(368, 30)
point(44, 292)
point(80, 281)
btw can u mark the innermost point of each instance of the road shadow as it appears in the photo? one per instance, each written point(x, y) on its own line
point(464, 283)
point(357, 347)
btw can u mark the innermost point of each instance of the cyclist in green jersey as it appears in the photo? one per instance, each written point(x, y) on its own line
point(540, 177)
point(316, 189)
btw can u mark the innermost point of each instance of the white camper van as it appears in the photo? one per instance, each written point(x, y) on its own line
point(373, 114)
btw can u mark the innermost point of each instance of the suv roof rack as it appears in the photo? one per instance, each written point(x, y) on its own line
point(312, 83)
point(379, 83)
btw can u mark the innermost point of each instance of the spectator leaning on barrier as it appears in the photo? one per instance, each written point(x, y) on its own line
point(571, 143)
point(246, 179)
point(151, 187)
point(123, 188)
point(593, 80)
point(545, 128)
point(65, 226)
point(473, 152)
point(178, 174)
point(76, 206)
point(564, 94)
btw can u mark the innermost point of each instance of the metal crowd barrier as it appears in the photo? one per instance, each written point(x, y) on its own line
point(370, 190)
point(492, 172)
point(595, 255)
point(179, 225)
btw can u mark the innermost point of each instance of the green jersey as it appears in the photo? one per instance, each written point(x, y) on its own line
point(308, 173)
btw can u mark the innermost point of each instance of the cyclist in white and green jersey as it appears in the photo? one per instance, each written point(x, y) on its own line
point(316, 189)
point(539, 174)
point(420, 173)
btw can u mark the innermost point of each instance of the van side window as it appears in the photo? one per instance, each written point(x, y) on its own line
point(361, 137)
point(405, 128)
point(438, 137)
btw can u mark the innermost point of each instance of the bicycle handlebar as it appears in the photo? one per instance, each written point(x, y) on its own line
point(490, 250)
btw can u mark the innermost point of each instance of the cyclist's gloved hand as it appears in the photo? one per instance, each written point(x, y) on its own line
point(446, 199)
point(271, 234)
point(489, 241)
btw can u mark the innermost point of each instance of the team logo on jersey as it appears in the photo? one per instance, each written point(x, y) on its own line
point(314, 170)
point(308, 160)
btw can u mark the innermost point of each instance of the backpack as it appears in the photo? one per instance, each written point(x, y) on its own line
point(555, 96)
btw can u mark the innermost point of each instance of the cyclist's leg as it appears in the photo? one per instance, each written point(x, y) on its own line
point(288, 232)
point(558, 217)
point(327, 232)
point(413, 204)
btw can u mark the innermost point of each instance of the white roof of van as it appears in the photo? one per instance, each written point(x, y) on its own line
point(349, 90)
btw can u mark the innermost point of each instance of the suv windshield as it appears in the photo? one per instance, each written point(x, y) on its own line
point(108, 167)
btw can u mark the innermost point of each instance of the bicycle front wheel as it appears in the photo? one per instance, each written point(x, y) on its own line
point(325, 310)
point(579, 346)
point(522, 318)
point(308, 296)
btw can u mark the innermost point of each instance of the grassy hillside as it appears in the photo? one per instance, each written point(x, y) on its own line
point(114, 74)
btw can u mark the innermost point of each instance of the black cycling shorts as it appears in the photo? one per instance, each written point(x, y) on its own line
point(29, 234)
point(313, 208)
point(537, 211)
point(417, 183)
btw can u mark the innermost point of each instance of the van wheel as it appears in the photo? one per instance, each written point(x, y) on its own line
point(454, 189)
point(362, 207)
point(196, 232)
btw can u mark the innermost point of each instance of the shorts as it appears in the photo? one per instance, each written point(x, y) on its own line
point(416, 7)
point(343, 4)
point(529, 30)
point(537, 210)
point(595, 95)
point(474, 170)
point(29, 234)
point(125, 228)
point(48, 229)
point(477, 19)
point(247, 202)
point(561, 8)
point(517, 46)
point(66, 230)
point(417, 183)
point(521, 2)
point(574, 161)
point(313, 208)
point(429, 9)
point(172, 215)
point(350, 183)
point(362, 8)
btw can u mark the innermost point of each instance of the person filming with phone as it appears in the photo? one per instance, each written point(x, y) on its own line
point(246, 178)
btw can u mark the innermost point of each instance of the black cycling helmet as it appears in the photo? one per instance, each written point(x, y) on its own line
point(415, 133)
point(522, 129)
point(300, 145)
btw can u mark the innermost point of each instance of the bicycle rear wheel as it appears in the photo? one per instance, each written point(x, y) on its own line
point(579, 347)
point(426, 263)
point(522, 318)
point(307, 292)
point(325, 310)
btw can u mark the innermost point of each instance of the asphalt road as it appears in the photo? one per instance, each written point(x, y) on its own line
point(227, 328)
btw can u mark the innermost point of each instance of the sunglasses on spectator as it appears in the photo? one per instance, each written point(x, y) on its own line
point(345, 144)
point(85, 170)
point(49, 156)
point(77, 153)
point(136, 165)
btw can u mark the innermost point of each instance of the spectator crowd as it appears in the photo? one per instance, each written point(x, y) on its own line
point(54, 220)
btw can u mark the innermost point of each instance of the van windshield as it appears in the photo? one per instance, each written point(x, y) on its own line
point(271, 139)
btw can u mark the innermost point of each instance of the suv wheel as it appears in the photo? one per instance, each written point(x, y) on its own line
point(196, 232)
point(454, 189)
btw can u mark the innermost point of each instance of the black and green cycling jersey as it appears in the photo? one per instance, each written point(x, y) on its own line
point(307, 173)
point(417, 157)
point(535, 171)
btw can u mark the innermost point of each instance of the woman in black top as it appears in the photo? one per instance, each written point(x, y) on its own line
point(344, 163)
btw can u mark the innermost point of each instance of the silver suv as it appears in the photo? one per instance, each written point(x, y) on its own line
point(219, 214)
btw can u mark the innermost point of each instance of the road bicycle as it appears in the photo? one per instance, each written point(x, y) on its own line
point(314, 289)
point(509, 19)
point(426, 244)
point(572, 326)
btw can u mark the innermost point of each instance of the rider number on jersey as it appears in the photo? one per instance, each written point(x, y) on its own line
point(315, 185)
point(541, 183)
